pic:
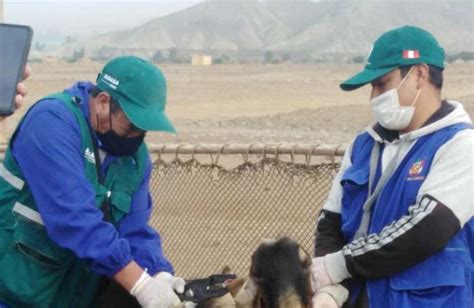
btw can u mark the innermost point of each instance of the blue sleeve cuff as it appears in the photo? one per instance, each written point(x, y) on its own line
point(115, 261)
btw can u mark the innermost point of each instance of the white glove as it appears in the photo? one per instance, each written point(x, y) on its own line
point(328, 270)
point(324, 300)
point(177, 283)
point(158, 291)
point(330, 296)
point(319, 274)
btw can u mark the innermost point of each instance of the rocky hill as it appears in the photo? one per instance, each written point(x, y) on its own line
point(338, 26)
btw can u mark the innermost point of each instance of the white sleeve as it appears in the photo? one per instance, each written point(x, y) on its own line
point(451, 178)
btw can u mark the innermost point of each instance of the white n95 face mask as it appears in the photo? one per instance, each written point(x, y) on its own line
point(388, 111)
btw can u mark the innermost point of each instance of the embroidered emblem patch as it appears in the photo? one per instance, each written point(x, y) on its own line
point(416, 170)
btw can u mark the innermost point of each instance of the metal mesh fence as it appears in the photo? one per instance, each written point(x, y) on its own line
point(210, 216)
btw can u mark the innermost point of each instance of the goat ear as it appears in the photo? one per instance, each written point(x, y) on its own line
point(234, 286)
point(226, 270)
point(246, 296)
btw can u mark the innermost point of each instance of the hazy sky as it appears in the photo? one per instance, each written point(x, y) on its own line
point(87, 17)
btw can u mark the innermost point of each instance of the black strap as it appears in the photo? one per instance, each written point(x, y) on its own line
point(105, 207)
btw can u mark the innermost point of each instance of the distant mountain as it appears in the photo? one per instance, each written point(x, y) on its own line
point(344, 26)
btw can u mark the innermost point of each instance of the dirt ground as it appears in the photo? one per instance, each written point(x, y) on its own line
point(254, 103)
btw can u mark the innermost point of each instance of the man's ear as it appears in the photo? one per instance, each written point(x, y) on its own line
point(102, 103)
point(422, 72)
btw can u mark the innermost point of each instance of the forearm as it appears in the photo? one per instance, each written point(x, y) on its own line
point(129, 275)
point(426, 230)
point(423, 233)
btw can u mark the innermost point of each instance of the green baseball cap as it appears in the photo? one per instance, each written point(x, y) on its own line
point(140, 89)
point(398, 47)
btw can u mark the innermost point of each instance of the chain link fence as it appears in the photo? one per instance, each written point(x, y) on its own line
point(210, 216)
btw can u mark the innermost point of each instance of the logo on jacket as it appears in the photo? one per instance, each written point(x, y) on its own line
point(416, 170)
point(89, 155)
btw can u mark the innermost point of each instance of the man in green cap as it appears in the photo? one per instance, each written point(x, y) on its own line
point(397, 227)
point(74, 195)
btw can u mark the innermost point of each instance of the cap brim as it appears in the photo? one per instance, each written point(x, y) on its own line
point(148, 119)
point(364, 77)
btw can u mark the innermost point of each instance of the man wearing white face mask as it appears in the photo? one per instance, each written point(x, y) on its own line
point(397, 229)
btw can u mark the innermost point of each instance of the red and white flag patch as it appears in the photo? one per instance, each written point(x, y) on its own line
point(411, 54)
